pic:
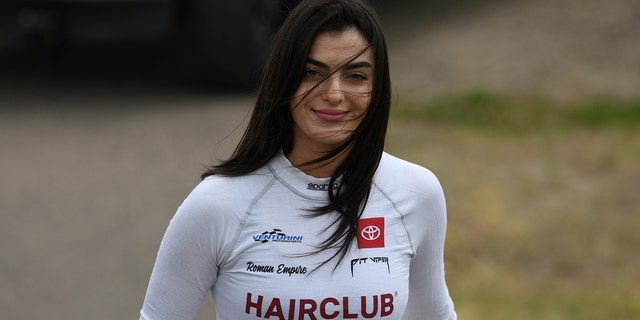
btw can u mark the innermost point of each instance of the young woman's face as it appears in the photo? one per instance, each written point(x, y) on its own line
point(325, 116)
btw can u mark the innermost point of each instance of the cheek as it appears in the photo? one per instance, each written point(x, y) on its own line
point(295, 100)
point(298, 97)
point(297, 106)
point(361, 104)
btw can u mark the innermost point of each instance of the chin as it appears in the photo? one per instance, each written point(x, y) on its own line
point(332, 141)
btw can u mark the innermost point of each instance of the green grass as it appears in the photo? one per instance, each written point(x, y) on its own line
point(517, 113)
point(606, 112)
point(541, 226)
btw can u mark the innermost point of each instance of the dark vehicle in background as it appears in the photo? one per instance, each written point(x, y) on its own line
point(224, 41)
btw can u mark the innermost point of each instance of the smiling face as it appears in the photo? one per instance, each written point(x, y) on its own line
point(334, 93)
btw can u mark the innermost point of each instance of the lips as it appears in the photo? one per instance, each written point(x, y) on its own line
point(330, 115)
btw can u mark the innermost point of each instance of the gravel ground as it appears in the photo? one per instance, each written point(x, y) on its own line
point(91, 169)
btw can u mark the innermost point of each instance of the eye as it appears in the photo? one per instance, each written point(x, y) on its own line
point(312, 73)
point(358, 76)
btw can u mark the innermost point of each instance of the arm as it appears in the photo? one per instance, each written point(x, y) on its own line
point(185, 267)
point(428, 293)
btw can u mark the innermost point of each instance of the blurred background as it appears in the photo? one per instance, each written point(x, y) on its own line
point(527, 110)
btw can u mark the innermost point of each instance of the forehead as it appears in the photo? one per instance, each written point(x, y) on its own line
point(337, 47)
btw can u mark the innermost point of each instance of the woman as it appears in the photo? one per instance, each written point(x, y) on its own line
point(309, 218)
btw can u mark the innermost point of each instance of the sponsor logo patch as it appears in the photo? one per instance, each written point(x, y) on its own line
point(313, 307)
point(371, 233)
point(279, 269)
point(322, 187)
point(276, 235)
point(356, 263)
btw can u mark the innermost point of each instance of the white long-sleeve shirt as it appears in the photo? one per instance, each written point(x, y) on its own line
point(248, 240)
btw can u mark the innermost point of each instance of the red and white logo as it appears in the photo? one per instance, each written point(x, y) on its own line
point(371, 233)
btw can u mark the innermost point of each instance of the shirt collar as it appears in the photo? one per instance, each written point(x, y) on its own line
point(298, 181)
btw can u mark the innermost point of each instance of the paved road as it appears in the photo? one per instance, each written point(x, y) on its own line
point(89, 181)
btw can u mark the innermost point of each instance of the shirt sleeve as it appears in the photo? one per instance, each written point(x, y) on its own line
point(186, 268)
point(426, 223)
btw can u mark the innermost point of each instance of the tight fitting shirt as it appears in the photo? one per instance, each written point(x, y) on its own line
point(251, 241)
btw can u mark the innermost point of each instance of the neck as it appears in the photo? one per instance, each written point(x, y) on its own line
point(322, 169)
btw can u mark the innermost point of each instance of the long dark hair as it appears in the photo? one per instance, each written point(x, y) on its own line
point(270, 128)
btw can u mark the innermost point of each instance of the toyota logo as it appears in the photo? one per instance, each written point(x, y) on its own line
point(370, 233)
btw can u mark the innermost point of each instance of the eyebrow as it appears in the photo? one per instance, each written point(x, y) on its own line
point(350, 66)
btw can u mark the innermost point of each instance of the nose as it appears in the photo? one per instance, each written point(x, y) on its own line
point(332, 91)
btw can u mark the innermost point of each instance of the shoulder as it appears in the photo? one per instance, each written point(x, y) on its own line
point(218, 197)
point(416, 195)
point(246, 186)
point(395, 173)
point(414, 191)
